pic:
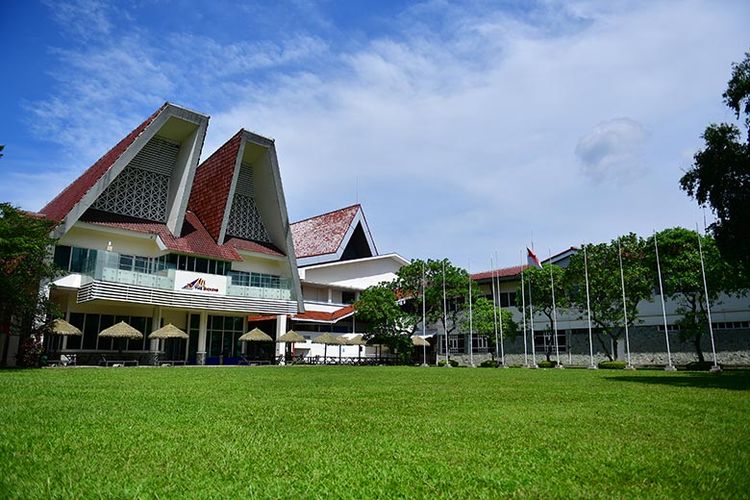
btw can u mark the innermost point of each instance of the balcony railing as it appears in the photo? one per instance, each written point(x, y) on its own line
point(106, 267)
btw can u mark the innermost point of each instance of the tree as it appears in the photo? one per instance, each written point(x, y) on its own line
point(541, 296)
point(24, 264)
point(683, 281)
point(605, 286)
point(409, 285)
point(387, 322)
point(484, 317)
point(720, 175)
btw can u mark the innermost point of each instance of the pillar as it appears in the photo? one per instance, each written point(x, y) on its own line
point(155, 325)
point(200, 355)
point(280, 330)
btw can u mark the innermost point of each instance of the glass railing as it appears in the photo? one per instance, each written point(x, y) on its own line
point(105, 266)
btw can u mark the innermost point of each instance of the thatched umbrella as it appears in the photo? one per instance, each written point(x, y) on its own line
point(121, 330)
point(62, 327)
point(256, 335)
point(326, 339)
point(419, 342)
point(290, 338)
point(359, 341)
point(168, 331)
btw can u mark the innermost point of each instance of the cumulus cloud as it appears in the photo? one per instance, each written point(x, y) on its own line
point(458, 127)
point(612, 150)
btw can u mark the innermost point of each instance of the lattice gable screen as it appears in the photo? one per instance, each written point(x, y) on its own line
point(142, 188)
point(244, 220)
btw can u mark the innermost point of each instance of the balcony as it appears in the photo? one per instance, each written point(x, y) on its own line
point(104, 278)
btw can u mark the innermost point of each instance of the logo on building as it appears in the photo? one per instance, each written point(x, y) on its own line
point(200, 285)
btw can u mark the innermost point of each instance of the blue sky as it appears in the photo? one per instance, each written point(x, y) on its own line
point(463, 128)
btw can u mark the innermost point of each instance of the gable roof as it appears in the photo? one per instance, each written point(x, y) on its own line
point(212, 185)
point(324, 237)
point(63, 203)
point(505, 272)
point(311, 316)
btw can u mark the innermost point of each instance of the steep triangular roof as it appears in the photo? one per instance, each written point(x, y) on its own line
point(71, 204)
point(325, 237)
point(63, 203)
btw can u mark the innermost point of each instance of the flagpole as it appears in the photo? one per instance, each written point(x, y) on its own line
point(592, 366)
point(445, 321)
point(670, 367)
point(531, 321)
point(424, 320)
point(523, 306)
point(629, 366)
point(715, 368)
point(494, 310)
point(471, 325)
point(554, 310)
point(500, 308)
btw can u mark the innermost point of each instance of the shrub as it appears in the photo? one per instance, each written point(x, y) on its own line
point(547, 364)
point(488, 363)
point(612, 365)
point(29, 352)
point(453, 363)
point(699, 367)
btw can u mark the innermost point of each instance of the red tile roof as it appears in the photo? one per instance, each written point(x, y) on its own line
point(322, 234)
point(193, 240)
point(253, 246)
point(63, 203)
point(328, 317)
point(505, 272)
point(211, 185)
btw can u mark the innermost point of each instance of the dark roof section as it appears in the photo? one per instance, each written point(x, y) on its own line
point(322, 234)
point(63, 203)
point(253, 246)
point(212, 183)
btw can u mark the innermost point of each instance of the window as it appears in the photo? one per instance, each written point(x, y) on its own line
point(126, 263)
point(545, 342)
point(507, 299)
point(62, 257)
point(82, 259)
point(142, 265)
point(348, 297)
point(223, 335)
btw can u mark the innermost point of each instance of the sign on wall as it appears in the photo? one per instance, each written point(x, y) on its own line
point(187, 281)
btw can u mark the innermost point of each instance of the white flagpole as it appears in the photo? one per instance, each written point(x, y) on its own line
point(471, 325)
point(554, 311)
point(716, 368)
point(500, 308)
point(445, 321)
point(523, 306)
point(592, 366)
point(670, 367)
point(424, 320)
point(629, 366)
point(494, 310)
point(531, 320)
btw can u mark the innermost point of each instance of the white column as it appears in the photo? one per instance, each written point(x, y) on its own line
point(280, 330)
point(155, 325)
point(330, 296)
point(200, 357)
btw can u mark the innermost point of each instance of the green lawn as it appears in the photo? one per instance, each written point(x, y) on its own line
point(372, 431)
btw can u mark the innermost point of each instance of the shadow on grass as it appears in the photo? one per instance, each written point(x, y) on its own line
point(731, 380)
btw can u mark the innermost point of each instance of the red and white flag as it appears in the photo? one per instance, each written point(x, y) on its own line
point(531, 259)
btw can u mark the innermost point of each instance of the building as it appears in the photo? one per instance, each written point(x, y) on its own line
point(337, 259)
point(148, 236)
point(730, 318)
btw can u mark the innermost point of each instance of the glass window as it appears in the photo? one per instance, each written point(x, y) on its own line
point(90, 331)
point(62, 257)
point(74, 341)
point(105, 321)
point(172, 261)
point(139, 323)
point(190, 264)
point(215, 343)
point(181, 262)
point(349, 297)
point(201, 265)
point(126, 262)
point(211, 267)
point(78, 259)
point(141, 265)
point(216, 322)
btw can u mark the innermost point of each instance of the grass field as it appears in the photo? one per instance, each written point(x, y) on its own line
point(372, 431)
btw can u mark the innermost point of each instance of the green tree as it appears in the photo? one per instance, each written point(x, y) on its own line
point(540, 281)
point(483, 317)
point(409, 285)
point(24, 264)
point(605, 286)
point(387, 322)
point(683, 281)
point(720, 175)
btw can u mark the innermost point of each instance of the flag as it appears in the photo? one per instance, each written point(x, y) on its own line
point(531, 259)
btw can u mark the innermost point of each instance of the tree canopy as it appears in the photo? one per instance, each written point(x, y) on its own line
point(540, 283)
point(720, 175)
point(605, 286)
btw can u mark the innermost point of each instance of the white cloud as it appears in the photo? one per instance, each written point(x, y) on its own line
point(464, 134)
point(613, 150)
